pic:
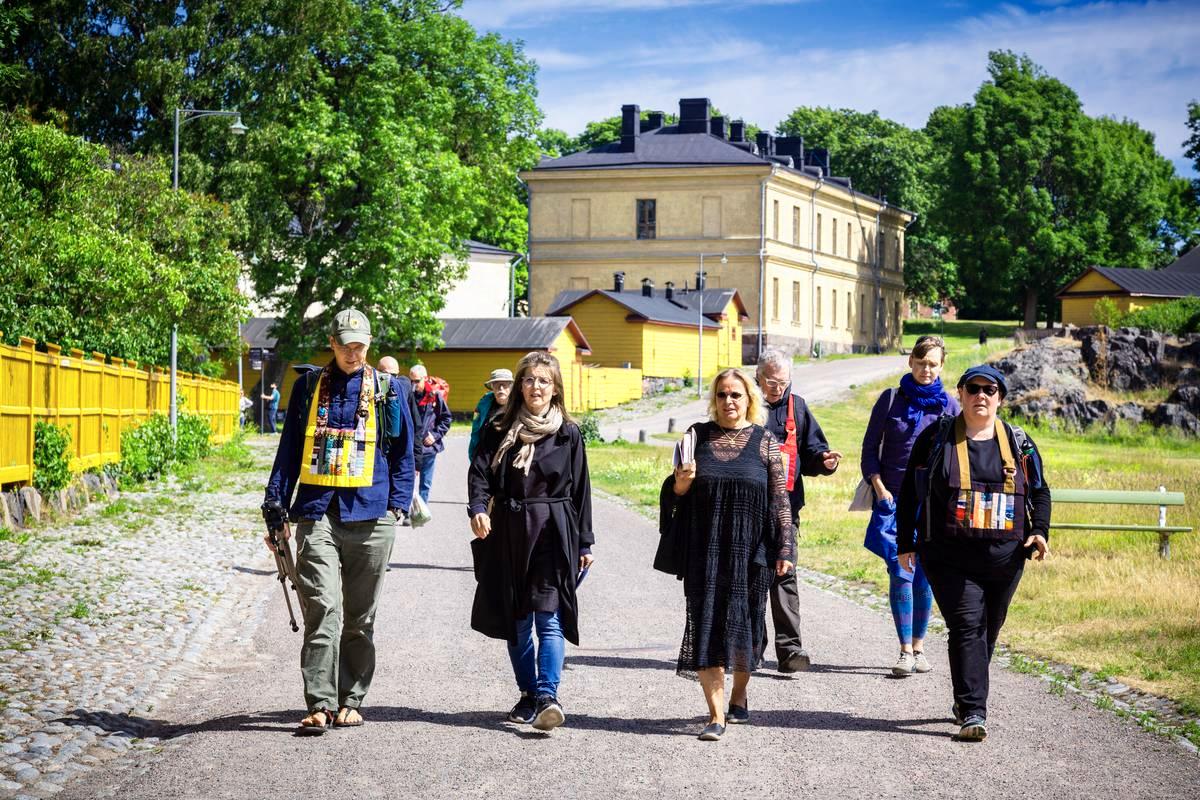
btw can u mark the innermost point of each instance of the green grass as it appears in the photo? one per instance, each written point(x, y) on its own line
point(1103, 601)
point(961, 336)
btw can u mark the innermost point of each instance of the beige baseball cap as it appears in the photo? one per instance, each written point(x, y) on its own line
point(351, 326)
point(499, 375)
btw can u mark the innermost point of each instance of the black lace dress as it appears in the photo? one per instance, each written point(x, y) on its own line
point(738, 523)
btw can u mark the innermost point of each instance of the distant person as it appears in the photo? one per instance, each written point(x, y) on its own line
point(244, 406)
point(899, 416)
point(805, 452)
point(432, 421)
point(732, 505)
point(983, 337)
point(963, 513)
point(391, 366)
point(490, 406)
point(272, 409)
point(530, 504)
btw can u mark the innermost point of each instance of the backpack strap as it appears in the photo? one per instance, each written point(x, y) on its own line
point(1006, 455)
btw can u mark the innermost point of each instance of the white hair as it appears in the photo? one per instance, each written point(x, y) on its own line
point(418, 370)
point(773, 356)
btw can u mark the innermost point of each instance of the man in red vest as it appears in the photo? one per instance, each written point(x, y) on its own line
point(805, 452)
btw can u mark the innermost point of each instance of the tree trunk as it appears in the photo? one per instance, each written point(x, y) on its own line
point(1031, 304)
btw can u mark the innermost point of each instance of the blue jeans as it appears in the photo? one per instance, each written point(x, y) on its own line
point(425, 468)
point(538, 672)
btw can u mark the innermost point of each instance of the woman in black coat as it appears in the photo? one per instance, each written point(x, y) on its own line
point(531, 512)
point(973, 506)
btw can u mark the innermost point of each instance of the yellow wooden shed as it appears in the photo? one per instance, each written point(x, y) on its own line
point(1130, 289)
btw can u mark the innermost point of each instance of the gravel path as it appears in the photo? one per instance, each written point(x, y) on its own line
point(435, 714)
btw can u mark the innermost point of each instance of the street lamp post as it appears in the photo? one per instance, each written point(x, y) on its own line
point(182, 117)
point(700, 321)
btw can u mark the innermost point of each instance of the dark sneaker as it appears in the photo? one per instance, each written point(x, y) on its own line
point(974, 729)
point(795, 662)
point(525, 709)
point(712, 732)
point(737, 715)
point(549, 714)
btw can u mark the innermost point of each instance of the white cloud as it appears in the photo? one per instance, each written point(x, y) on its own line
point(492, 14)
point(1139, 62)
point(553, 58)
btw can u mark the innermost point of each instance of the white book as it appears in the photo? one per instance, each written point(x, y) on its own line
point(685, 451)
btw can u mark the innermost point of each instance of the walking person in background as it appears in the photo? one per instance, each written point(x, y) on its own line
point(805, 452)
point(899, 416)
point(346, 452)
point(490, 406)
point(268, 421)
point(732, 504)
point(973, 506)
point(432, 421)
point(530, 506)
point(244, 406)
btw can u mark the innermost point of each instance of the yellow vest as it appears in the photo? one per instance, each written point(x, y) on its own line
point(342, 458)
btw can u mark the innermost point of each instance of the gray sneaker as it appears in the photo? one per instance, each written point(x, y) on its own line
point(921, 663)
point(904, 665)
point(974, 729)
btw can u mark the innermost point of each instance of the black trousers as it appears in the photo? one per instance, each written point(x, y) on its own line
point(785, 613)
point(973, 582)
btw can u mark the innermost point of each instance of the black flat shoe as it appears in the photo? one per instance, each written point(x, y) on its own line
point(712, 733)
point(737, 715)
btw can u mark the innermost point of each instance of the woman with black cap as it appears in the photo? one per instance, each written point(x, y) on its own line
point(973, 506)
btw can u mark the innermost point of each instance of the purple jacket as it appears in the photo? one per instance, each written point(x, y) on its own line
point(890, 425)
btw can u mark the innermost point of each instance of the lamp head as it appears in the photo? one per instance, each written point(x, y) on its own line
point(237, 128)
point(724, 260)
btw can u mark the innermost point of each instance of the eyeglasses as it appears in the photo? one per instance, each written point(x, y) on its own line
point(987, 388)
point(772, 385)
point(533, 381)
point(501, 386)
point(730, 395)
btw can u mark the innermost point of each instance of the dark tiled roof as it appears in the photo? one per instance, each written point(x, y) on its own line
point(1147, 282)
point(1188, 262)
point(256, 332)
point(715, 300)
point(489, 249)
point(659, 147)
point(520, 333)
point(656, 308)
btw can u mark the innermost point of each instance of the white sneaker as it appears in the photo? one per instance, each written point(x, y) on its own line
point(921, 663)
point(904, 665)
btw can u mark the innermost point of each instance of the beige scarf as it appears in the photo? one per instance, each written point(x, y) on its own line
point(530, 429)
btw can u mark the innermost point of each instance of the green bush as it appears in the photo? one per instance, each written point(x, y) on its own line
point(589, 427)
point(1105, 312)
point(1175, 316)
point(192, 438)
point(51, 457)
point(146, 451)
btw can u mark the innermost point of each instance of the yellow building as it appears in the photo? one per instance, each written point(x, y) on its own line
point(815, 261)
point(1129, 289)
point(662, 333)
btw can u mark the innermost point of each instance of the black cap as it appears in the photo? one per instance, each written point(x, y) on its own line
point(988, 372)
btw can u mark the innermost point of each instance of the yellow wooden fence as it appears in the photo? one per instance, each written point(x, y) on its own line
point(95, 401)
point(605, 387)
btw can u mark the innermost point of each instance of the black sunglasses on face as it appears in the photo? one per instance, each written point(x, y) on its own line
point(729, 395)
point(987, 388)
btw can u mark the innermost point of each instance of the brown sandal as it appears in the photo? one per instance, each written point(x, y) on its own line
point(307, 729)
point(343, 718)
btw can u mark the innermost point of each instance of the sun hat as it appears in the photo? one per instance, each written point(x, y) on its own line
point(499, 375)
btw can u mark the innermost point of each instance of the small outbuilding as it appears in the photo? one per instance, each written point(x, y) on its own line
point(1130, 289)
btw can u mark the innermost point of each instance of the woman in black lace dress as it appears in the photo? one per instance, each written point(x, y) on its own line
point(732, 505)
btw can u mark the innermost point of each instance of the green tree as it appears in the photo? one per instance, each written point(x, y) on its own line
point(382, 134)
point(11, 18)
point(1191, 145)
point(883, 157)
point(106, 256)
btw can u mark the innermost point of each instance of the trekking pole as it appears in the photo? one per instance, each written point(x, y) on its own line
point(285, 565)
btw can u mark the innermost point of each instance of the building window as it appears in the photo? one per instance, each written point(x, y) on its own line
point(796, 225)
point(898, 265)
point(647, 220)
point(819, 246)
point(849, 242)
point(775, 220)
point(796, 302)
point(818, 305)
point(833, 240)
point(896, 317)
point(833, 309)
point(849, 308)
point(774, 298)
point(862, 318)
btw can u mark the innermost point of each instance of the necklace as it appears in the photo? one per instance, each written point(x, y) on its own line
point(731, 440)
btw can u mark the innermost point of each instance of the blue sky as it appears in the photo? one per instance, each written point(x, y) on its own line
point(759, 59)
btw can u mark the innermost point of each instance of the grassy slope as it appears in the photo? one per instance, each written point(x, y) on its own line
point(1104, 601)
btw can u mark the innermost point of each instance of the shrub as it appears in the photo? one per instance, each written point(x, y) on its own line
point(192, 438)
point(589, 427)
point(51, 457)
point(147, 450)
point(1175, 316)
point(1105, 312)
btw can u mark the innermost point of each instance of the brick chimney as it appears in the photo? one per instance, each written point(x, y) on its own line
point(647, 287)
point(694, 114)
point(618, 281)
point(631, 126)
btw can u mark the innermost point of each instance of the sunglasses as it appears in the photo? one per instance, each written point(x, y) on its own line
point(730, 395)
point(987, 388)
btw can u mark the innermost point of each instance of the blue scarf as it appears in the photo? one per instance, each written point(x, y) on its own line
point(931, 399)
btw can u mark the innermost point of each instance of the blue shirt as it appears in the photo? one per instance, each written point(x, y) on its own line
point(274, 401)
point(392, 479)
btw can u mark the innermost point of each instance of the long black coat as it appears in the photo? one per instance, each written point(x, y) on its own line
point(558, 474)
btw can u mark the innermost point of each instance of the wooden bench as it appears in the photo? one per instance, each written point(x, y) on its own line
point(1162, 498)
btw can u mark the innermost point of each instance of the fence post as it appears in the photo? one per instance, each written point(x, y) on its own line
point(27, 345)
point(1164, 537)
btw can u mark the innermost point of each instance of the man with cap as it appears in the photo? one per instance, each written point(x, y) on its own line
point(490, 406)
point(431, 421)
point(347, 452)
